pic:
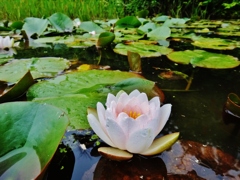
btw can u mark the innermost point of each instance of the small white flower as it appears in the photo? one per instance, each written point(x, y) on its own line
point(129, 122)
point(6, 42)
point(92, 32)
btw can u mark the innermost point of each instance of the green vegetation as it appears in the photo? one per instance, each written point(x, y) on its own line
point(83, 9)
point(105, 9)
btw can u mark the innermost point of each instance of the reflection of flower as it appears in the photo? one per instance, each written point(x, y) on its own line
point(6, 42)
point(129, 122)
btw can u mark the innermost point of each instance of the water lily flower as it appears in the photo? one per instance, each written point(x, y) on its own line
point(92, 32)
point(129, 122)
point(6, 42)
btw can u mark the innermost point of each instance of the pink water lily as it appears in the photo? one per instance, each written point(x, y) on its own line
point(129, 122)
point(6, 42)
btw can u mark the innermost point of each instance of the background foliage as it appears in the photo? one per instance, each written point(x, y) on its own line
point(102, 9)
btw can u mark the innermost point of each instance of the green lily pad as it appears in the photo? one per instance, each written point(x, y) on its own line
point(148, 27)
point(128, 22)
point(201, 58)
point(77, 91)
point(61, 22)
point(215, 43)
point(35, 25)
point(55, 39)
point(18, 89)
point(39, 67)
point(90, 26)
point(30, 134)
point(105, 39)
point(144, 50)
point(162, 32)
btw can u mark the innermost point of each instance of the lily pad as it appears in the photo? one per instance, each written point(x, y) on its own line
point(39, 67)
point(35, 25)
point(215, 43)
point(77, 91)
point(61, 22)
point(90, 26)
point(128, 21)
point(162, 32)
point(201, 58)
point(30, 134)
point(144, 50)
point(18, 89)
point(105, 39)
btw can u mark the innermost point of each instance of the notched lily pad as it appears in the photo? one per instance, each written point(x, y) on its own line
point(75, 92)
point(39, 67)
point(201, 58)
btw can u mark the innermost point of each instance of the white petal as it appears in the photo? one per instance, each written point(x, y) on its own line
point(165, 112)
point(140, 141)
point(95, 125)
point(154, 102)
point(101, 114)
point(110, 98)
point(134, 93)
point(116, 134)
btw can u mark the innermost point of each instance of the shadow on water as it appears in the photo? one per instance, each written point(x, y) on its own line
point(209, 136)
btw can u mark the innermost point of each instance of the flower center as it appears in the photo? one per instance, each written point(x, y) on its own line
point(134, 114)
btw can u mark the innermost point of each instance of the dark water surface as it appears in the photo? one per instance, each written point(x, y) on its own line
point(209, 142)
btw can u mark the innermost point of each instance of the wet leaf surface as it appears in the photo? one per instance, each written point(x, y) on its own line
point(39, 67)
point(29, 138)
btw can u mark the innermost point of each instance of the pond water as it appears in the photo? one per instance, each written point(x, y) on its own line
point(208, 146)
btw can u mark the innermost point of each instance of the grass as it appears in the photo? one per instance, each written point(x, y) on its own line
point(84, 9)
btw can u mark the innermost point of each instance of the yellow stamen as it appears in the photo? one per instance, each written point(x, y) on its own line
point(134, 114)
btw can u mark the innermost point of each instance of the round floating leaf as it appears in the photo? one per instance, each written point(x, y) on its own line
point(77, 91)
point(39, 67)
point(148, 27)
point(144, 50)
point(61, 22)
point(162, 32)
point(35, 25)
point(30, 134)
point(105, 39)
point(90, 26)
point(201, 58)
point(215, 43)
point(128, 21)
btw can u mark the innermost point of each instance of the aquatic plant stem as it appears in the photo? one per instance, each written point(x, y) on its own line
point(189, 81)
